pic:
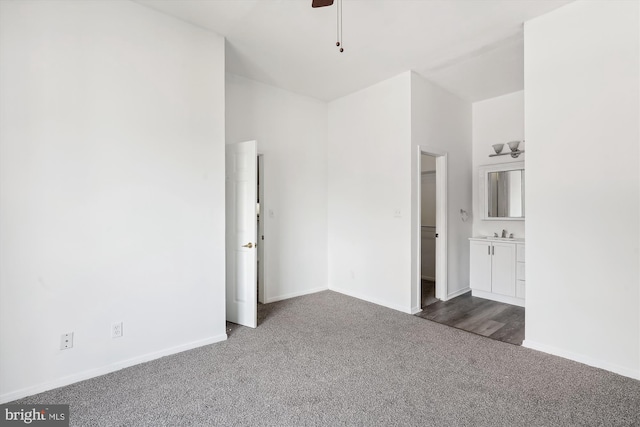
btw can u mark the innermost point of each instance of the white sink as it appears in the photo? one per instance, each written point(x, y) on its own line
point(505, 239)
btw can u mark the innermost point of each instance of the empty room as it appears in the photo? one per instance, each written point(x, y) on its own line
point(317, 212)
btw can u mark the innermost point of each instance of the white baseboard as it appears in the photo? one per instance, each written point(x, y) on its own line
point(627, 372)
point(295, 294)
point(416, 310)
point(457, 293)
point(92, 373)
point(367, 298)
point(496, 297)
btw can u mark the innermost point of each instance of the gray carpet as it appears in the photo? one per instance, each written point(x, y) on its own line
point(328, 359)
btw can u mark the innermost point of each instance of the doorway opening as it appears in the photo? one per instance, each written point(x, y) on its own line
point(492, 319)
point(428, 229)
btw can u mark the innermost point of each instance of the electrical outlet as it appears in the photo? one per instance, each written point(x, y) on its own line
point(116, 330)
point(66, 341)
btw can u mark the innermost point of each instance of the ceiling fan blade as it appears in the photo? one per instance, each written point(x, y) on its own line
point(321, 3)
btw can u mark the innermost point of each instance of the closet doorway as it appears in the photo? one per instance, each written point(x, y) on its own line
point(430, 257)
point(428, 229)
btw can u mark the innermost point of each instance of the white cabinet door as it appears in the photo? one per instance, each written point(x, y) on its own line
point(480, 253)
point(503, 271)
point(520, 249)
point(520, 289)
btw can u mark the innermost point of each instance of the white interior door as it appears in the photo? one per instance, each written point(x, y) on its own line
point(241, 239)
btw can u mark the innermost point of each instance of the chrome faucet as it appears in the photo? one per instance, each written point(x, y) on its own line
point(495, 234)
point(504, 234)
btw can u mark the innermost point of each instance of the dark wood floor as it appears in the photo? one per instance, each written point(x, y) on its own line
point(428, 293)
point(492, 319)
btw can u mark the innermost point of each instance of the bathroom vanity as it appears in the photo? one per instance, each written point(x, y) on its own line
point(497, 269)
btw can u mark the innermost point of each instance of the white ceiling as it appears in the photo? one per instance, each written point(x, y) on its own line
point(474, 48)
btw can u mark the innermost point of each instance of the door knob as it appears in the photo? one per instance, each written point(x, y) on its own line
point(248, 245)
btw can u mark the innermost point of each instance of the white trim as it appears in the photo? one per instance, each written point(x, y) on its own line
point(372, 300)
point(627, 372)
point(92, 373)
point(295, 294)
point(442, 283)
point(262, 289)
point(457, 293)
point(416, 310)
point(497, 297)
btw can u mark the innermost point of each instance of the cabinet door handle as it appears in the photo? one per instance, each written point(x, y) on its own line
point(493, 250)
point(489, 250)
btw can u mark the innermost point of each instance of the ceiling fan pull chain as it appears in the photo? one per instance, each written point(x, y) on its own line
point(324, 3)
point(341, 43)
point(339, 25)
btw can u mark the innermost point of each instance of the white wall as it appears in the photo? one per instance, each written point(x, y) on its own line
point(428, 221)
point(374, 215)
point(428, 190)
point(369, 191)
point(291, 134)
point(428, 198)
point(441, 122)
point(496, 121)
point(111, 187)
point(582, 114)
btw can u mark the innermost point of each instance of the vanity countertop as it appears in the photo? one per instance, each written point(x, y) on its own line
point(497, 239)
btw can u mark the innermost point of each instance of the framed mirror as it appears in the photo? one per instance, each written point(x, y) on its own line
point(502, 190)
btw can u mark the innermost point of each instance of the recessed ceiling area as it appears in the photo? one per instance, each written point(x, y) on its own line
point(472, 48)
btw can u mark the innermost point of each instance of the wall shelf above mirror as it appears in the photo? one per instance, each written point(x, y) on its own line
point(502, 191)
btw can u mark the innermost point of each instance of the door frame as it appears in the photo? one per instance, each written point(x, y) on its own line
point(261, 230)
point(441, 222)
